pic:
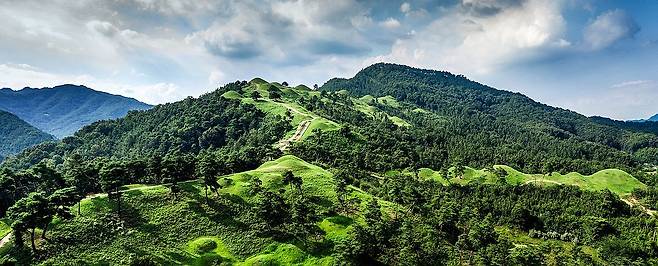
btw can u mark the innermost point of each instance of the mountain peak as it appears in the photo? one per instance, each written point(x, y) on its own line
point(63, 109)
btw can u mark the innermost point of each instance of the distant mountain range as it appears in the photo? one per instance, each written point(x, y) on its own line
point(62, 110)
point(16, 135)
point(653, 118)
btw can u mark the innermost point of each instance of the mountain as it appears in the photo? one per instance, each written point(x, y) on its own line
point(64, 109)
point(481, 125)
point(16, 135)
point(653, 118)
point(395, 166)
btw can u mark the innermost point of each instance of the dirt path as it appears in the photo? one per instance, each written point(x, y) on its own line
point(5, 240)
point(634, 202)
point(541, 180)
point(301, 129)
point(91, 196)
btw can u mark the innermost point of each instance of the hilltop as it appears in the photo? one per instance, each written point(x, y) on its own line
point(62, 110)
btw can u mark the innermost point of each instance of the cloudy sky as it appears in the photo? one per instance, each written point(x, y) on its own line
point(596, 57)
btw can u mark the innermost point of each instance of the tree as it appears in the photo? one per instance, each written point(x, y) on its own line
point(7, 192)
point(341, 191)
point(285, 84)
point(30, 213)
point(255, 95)
point(293, 180)
point(50, 179)
point(111, 176)
point(271, 208)
point(77, 174)
point(60, 203)
point(315, 87)
point(275, 95)
point(459, 170)
point(176, 167)
point(207, 169)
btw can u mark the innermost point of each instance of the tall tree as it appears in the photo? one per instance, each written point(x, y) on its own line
point(30, 213)
point(112, 176)
point(207, 168)
point(60, 203)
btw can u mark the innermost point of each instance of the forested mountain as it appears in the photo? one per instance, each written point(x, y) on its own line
point(62, 110)
point(397, 166)
point(481, 125)
point(184, 127)
point(16, 135)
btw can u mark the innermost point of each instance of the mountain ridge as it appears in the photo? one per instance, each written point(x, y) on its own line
point(62, 110)
point(17, 135)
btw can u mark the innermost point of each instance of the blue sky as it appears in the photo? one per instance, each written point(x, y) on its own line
point(593, 57)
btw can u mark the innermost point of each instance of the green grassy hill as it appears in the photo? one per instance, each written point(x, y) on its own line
point(157, 227)
point(287, 103)
point(614, 180)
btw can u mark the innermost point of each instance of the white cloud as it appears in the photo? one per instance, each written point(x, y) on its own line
point(17, 76)
point(390, 23)
point(471, 43)
point(609, 28)
point(626, 100)
point(405, 7)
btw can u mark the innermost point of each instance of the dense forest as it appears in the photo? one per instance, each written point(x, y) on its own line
point(484, 126)
point(16, 135)
point(206, 181)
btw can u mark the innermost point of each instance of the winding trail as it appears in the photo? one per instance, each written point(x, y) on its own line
point(5, 240)
point(301, 129)
point(634, 202)
point(91, 196)
point(540, 181)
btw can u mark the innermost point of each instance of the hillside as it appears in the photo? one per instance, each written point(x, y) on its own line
point(16, 135)
point(263, 173)
point(62, 110)
point(240, 225)
point(482, 126)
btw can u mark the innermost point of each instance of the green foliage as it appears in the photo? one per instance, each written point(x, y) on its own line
point(483, 126)
point(188, 126)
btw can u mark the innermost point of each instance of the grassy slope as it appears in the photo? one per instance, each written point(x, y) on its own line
point(4, 228)
point(190, 232)
point(615, 180)
point(288, 102)
point(363, 104)
point(181, 231)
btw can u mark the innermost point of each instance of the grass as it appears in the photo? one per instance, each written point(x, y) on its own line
point(316, 181)
point(286, 254)
point(5, 227)
point(614, 180)
point(521, 239)
point(363, 105)
point(320, 124)
point(336, 227)
point(187, 231)
point(232, 95)
point(287, 103)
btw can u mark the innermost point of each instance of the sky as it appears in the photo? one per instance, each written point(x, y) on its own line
point(596, 57)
